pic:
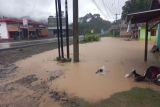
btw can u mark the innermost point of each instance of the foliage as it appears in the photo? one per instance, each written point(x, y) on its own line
point(93, 23)
point(132, 6)
point(91, 38)
point(107, 34)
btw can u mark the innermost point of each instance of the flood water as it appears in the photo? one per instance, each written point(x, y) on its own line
point(79, 79)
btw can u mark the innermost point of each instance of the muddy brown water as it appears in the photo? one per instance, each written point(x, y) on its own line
point(79, 79)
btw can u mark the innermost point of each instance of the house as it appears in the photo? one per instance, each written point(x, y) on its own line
point(123, 29)
point(151, 19)
point(19, 29)
point(151, 33)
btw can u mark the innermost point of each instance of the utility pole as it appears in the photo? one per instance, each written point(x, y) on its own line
point(75, 32)
point(67, 33)
point(116, 17)
point(59, 50)
point(116, 25)
point(60, 22)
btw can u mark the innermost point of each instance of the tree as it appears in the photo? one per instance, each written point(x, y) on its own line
point(132, 6)
point(93, 22)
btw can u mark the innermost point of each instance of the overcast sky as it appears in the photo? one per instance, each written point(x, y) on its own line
point(41, 9)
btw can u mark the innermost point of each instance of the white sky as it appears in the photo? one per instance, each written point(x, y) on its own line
point(41, 9)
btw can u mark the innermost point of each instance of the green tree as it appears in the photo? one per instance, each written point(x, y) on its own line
point(93, 22)
point(132, 6)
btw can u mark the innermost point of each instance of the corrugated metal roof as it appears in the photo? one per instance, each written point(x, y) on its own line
point(141, 17)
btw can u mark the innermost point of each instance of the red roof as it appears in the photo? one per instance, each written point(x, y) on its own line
point(18, 21)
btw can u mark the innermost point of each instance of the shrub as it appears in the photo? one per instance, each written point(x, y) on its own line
point(91, 38)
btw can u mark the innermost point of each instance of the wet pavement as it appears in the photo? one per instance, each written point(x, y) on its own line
point(14, 45)
point(8, 45)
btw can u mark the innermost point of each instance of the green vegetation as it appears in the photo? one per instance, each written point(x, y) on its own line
point(93, 23)
point(91, 38)
point(108, 34)
point(132, 6)
point(136, 97)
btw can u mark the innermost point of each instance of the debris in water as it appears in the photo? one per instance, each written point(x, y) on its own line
point(101, 70)
point(130, 73)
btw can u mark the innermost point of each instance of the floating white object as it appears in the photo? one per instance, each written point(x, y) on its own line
point(130, 73)
point(158, 77)
point(101, 70)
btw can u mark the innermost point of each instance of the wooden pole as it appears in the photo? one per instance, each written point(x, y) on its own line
point(58, 36)
point(60, 22)
point(75, 32)
point(67, 33)
point(146, 43)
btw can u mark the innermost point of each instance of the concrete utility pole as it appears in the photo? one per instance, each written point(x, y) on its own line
point(75, 32)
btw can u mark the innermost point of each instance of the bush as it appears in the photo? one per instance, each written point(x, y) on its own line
point(108, 34)
point(91, 38)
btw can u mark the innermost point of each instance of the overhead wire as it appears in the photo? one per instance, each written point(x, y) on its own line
point(99, 8)
point(106, 9)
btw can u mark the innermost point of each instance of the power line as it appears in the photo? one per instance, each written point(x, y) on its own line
point(99, 8)
point(106, 8)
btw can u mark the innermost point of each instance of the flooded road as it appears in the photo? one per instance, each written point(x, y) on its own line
point(79, 79)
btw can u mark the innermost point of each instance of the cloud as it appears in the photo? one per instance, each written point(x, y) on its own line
point(41, 9)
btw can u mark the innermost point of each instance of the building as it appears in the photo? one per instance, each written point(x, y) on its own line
point(151, 19)
point(123, 29)
point(52, 25)
point(21, 29)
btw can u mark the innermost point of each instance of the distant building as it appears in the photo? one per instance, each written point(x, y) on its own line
point(115, 30)
point(52, 25)
point(19, 29)
point(123, 29)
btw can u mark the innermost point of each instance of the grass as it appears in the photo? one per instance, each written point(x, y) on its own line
point(136, 97)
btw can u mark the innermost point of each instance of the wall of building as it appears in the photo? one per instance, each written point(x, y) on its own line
point(3, 31)
point(158, 36)
point(142, 31)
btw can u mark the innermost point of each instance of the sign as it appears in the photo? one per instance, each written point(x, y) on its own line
point(3, 31)
point(25, 22)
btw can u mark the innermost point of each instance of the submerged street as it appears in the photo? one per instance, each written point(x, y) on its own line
point(36, 78)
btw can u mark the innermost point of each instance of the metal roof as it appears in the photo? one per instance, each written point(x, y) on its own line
point(141, 17)
point(19, 21)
